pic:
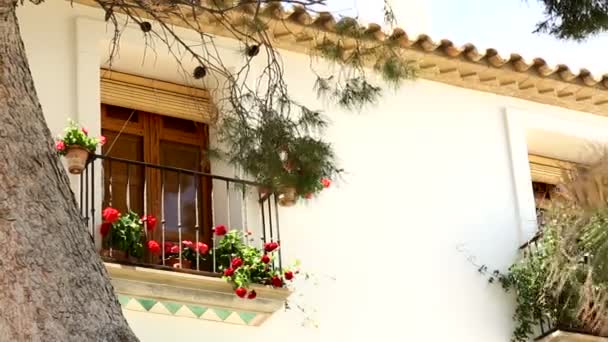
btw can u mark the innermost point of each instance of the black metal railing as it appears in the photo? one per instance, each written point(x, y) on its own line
point(187, 204)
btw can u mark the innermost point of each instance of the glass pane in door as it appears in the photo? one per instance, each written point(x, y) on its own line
point(121, 178)
point(181, 190)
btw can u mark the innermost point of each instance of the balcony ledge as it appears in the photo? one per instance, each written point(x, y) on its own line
point(562, 336)
point(191, 295)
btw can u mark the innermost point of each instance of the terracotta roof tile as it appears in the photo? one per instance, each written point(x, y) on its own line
point(463, 66)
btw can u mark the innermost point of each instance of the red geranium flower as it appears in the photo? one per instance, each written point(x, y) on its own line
point(220, 230)
point(151, 221)
point(174, 249)
point(154, 247)
point(59, 145)
point(241, 292)
point(187, 243)
point(168, 246)
point(237, 262)
point(102, 140)
point(288, 275)
point(265, 258)
point(104, 229)
point(271, 246)
point(202, 248)
point(110, 214)
point(229, 272)
point(85, 130)
point(326, 182)
point(252, 295)
point(277, 281)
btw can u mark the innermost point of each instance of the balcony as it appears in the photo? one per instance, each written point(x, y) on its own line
point(552, 327)
point(186, 204)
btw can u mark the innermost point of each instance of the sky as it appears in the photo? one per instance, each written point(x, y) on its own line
point(506, 25)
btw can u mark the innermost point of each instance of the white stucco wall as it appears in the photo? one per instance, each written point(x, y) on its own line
point(429, 175)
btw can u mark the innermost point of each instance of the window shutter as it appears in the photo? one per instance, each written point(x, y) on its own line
point(548, 170)
point(158, 97)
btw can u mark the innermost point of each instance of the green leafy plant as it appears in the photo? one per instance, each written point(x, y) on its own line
point(125, 232)
point(562, 277)
point(243, 265)
point(77, 136)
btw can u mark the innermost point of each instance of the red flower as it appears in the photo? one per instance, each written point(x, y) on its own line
point(271, 246)
point(277, 281)
point(241, 292)
point(288, 275)
point(236, 263)
point(252, 295)
point(102, 140)
point(168, 246)
point(174, 249)
point(59, 145)
point(202, 248)
point(85, 130)
point(326, 182)
point(220, 230)
point(151, 221)
point(154, 247)
point(110, 215)
point(229, 272)
point(265, 258)
point(187, 243)
point(104, 229)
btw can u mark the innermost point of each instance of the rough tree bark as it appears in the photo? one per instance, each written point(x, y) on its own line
point(53, 286)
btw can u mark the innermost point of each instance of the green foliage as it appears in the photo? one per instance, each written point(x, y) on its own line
point(574, 19)
point(350, 88)
point(127, 233)
point(563, 277)
point(76, 136)
point(253, 270)
point(395, 70)
point(282, 151)
point(352, 94)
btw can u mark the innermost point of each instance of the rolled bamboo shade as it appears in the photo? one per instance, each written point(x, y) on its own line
point(158, 97)
point(548, 170)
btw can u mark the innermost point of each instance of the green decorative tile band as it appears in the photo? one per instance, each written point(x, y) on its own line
point(187, 310)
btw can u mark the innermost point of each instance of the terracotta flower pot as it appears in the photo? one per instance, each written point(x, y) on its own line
point(174, 262)
point(288, 197)
point(77, 159)
point(116, 254)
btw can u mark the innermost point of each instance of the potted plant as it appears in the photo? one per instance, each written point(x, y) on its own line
point(243, 265)
point(123, 234)
point(189, 254)
point(76, 146)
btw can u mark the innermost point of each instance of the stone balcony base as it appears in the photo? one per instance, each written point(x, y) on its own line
point(562, 336)
point(190, 295)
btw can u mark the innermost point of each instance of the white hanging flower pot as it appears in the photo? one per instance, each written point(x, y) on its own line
point(76, 157)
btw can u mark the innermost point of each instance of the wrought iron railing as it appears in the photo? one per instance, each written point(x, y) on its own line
point(217, 200)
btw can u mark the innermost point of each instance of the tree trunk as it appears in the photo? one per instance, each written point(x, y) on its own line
point(53, 286)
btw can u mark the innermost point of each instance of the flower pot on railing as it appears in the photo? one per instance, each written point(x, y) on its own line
point(175, 262)
point(76, 157)
point(287, 196)
point(76, 145)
